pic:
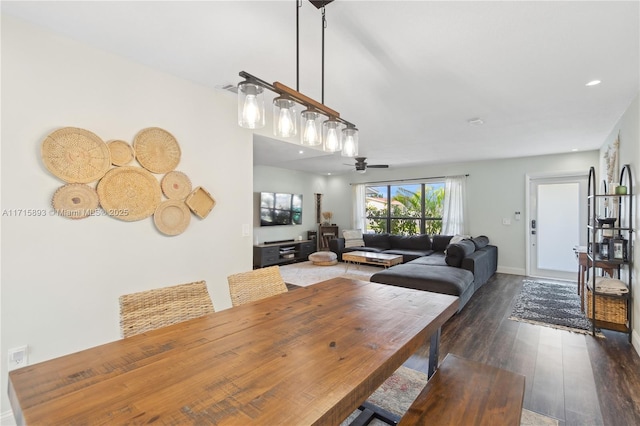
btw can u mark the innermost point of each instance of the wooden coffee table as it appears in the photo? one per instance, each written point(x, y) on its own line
point(383, 259)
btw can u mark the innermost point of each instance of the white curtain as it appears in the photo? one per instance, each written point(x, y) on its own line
point(454, 212)
point(359, 207)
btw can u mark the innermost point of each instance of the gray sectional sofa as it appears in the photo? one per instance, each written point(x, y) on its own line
point(431, 262)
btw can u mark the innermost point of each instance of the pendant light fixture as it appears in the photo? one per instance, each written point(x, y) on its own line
point(331, 135)
point(350, 141)
point(311, 127)
point(250, 105)
point(320, 125)
point(284, 117)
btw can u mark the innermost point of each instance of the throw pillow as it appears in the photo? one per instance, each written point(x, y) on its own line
point(353, 238)
point(480, 242)
point(458, 238)
point(458, 251)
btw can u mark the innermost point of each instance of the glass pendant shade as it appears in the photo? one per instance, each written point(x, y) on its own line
point(284, 117)
point(250, 105)
point(331, 135)
point(311, 128)
point(349, 141)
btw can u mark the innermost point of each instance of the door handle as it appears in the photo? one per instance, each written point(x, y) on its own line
point(533, 224)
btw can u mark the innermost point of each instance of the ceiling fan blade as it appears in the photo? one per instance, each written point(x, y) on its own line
point(377, 166)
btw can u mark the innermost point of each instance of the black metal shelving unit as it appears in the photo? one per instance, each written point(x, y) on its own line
point(622, 226)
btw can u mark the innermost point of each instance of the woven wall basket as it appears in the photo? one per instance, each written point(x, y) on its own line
point(121, 152)
point(75, 201)
point(75, 155)
point(156, 150)
point(200, 202)
point(172, 217)
point(176, 185)
point(129, 193)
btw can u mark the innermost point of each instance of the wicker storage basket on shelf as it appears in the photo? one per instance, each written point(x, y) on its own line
point(609, 308)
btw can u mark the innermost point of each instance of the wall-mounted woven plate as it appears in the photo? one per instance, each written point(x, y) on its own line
point(129, 193)
point(75, 155)
point(200, 202)
point(75, 201)
point(121, 152)
point(176, 185)
point(156, 150)
point(172, 217)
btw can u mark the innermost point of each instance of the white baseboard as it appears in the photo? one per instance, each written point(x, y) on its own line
point(6, 419)
point(511, 271)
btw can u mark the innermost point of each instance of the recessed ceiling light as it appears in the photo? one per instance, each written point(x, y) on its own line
point(475, 122)
point(593, 83)
point(574, 149)
point(301, 152)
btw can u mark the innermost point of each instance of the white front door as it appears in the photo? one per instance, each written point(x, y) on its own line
point(557, 223)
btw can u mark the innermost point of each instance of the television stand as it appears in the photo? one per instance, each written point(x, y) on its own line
point(279, 253)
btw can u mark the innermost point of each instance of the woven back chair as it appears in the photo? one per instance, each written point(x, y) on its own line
point(148, 310)
point(246, 287)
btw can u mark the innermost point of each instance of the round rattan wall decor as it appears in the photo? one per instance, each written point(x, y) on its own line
point(156, 150)
point(75, 155)
point(121, 152)
point(176, 185)
point(75, 201)
point(129, 193)
point(172, 217)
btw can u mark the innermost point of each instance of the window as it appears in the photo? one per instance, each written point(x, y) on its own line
point(405, 209)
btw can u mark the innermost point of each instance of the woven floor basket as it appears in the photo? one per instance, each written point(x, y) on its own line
point(254, 285)
point(148, 310)
point(609, 309)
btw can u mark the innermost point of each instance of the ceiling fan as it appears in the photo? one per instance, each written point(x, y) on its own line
point(362, 165)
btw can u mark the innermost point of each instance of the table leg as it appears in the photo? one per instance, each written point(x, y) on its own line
point(434, 352)
point(581, 271)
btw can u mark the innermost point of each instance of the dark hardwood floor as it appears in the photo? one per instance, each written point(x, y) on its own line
point(575, 378)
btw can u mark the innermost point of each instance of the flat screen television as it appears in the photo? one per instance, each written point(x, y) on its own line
point(278, 208)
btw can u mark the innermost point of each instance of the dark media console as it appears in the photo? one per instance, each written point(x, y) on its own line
point(280, 252)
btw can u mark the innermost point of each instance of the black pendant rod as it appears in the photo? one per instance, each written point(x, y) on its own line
point(324, 25)
point(298, 6)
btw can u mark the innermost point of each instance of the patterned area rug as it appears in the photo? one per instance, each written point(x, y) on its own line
point(306, 273)
point(551, 304)
point(399, 391)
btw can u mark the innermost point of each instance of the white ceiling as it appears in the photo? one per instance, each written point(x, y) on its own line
point(409, 74)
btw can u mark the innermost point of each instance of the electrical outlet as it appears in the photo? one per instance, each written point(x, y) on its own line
point(506, 221)
point(18, 357)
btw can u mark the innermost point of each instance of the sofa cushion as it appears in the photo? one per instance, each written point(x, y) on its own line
point(365, 248)
point(408, 255)
point(353, 238)
point(380, 241)
point(436, 259)
point(480, 242)
point(458, 251)
point(410, 242)
point(440, 242)
point(438, 279)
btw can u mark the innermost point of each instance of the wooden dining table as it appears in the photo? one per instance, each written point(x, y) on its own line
point(310, 356)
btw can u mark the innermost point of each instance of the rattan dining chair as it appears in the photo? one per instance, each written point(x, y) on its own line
point(151, 309)
point(246, 287)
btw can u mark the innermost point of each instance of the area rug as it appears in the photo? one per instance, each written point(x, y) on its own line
point(399, 391)
point(551, 304)
point(306, 273)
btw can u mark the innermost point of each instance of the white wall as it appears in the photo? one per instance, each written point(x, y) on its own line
point(272, 179)
point(628, 127)
point(495, 190)
point(61, 279)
